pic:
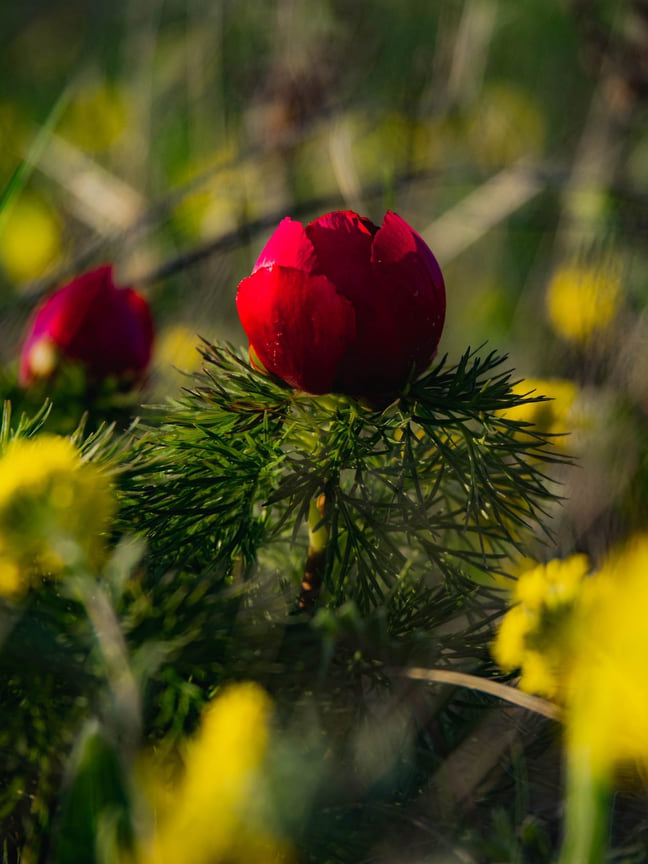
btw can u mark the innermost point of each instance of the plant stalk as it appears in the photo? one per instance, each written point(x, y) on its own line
point(587, 813)
point(318, 537)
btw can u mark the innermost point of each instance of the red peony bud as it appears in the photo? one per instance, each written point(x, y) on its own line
point(343, 306)
point(108, 330)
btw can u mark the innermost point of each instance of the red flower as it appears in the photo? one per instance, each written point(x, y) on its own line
point(344, 306)
point(108, 330)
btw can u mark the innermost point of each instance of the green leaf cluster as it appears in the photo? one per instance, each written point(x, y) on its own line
point(429, 489)
point(429, 498)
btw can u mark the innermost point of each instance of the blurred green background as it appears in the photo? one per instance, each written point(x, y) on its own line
point(171, 136)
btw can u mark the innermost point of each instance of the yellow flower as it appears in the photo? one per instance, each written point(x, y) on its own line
point(177, 346)
point(593, 656)
point(539, 675)
point(535, 635)
point(583, 300)
point(607, 692)
point(11, 583)
point(54, 508)
point(553, 585)
point(230, 187)
point(211, 814)
point(96, 116)
point(509, 646)
point(585, 641)
point(556, 415)
point(505, 125)
point(30, 238)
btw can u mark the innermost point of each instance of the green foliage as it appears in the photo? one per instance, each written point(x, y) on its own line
point(427, 500)
point(94, 822)
point(72, 401)
point(26, 425)
point(429, 497)
point(47, 687)
point(429, 489)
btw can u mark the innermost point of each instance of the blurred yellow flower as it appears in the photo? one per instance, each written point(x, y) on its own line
point(607, 693)
point(11, 584)
point(212, 813)
point(96, 116)
point(219, 193)
point(30, 238)
point(583, 300)
point(177, 346)
point(54, 508)
point(535, 635)
point(556, 415)
point(506, 125)
point(585, 641)
point(553, 585)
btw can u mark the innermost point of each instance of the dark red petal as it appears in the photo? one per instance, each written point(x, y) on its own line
point(343, 220)
point(96, 339)
point(400, 256)
point(288, 247)
point(298, 325)
point(119, 343)
point(396, 241)
point(400, 319)
point(144, 329)
point(60, 316)
point(66, 310)
point(342, 242)
point(108, 329)
point(382, 355)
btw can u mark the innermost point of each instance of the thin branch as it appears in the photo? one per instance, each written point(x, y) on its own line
point(482, 210)
point(484, 685)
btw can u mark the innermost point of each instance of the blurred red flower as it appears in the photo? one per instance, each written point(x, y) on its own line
point(344, 306)
point(108, 330)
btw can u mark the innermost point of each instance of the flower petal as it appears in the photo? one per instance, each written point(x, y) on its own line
point(144, 332)
point(394, 240)
point(400, 311)
point(342, 242)
point(397, 243)
point(120, 343)
point(108, 329)
point(298, 325)
point(60, 316)
point(288, 246)
point(410, 279)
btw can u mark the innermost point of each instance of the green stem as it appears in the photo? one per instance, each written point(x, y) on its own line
point(111, 642)
point(318, 537)
point(587, 820)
